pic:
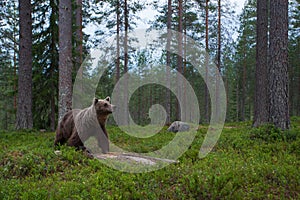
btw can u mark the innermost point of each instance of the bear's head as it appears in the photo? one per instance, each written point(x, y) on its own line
point(103, 106)
point(174, 127)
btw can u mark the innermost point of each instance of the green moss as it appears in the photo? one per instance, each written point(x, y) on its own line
point(245, 164)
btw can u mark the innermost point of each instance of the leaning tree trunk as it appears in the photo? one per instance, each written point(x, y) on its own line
point(278, 66)
point(24, 118)
point(261, 72)
point(65, 57)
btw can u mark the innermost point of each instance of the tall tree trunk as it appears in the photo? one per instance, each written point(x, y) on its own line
point(78, 57)
point(6, 100)
point(118, 43)
point(217, 100)
point(65, 57)
point(298, 75)
point(179, 57)
point(15, 69)
point(237, 101)
point(185, 114)
point(243, 100)
point(126, 25)
point(79, 34)
point(261, 71)
point(24, 110)
point(298, 104)
point(292, 87)
point(168, 72)
point(54, 63)
point(206, 61)
point(278, 66)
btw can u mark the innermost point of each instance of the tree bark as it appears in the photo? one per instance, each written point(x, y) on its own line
point(79, 34)
point(118, 43)
point(261, 71)
point(244, 82)
point(126, 26)
point(24, 119)
point(54, 63)
point(168, 72)
point(65, 57)
point(15, 71)
point(278, 66)
point(206, 61)
point(217, 100)
point(179, 58)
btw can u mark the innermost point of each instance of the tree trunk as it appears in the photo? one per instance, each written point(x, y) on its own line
point(15, 70)
point(79, 35)
point(237, 102)
point(184, 102)
point(126, 25)
point(168, 72)
point(24, 110)
point(217, 100)
point(65, 57)
point(243, 100)
point(278, 66)
point(54, 63)
point(206, 61)
point(298, 104)
point(118, 43)
point(261, 72)
point(179, 58)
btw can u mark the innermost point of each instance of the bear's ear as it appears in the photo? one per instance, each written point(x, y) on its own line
point(95, 100)
point(107, 99)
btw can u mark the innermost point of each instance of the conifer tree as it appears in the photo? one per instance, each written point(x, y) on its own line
point(24, 119)
point(278, 65)
point(65, 57)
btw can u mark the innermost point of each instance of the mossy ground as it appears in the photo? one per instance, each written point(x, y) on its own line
point(246, 163)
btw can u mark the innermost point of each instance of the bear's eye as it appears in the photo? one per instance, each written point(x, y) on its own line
point(105, 105)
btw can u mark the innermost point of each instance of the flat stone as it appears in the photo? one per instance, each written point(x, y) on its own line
point(132, 157)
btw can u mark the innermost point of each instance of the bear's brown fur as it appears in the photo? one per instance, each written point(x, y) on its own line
point(78, 125)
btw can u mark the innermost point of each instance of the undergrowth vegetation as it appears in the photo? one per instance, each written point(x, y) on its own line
point(246, 163)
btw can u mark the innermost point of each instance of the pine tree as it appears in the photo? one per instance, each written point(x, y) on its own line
point(24, 119)
point(261, 73)
point(278, 64)
point(125, 89)
point(168, 62)
point(180, 59)
point(206, 59)
point(78, 35)
point(65, 57)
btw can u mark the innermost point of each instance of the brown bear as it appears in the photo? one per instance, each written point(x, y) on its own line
point(78, 125)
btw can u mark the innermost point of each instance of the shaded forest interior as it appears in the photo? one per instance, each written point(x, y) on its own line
point(59, 38)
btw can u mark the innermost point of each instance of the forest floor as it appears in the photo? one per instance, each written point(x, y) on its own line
point(246, 163)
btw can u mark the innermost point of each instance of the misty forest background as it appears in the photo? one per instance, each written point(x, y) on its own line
point(43, 43)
